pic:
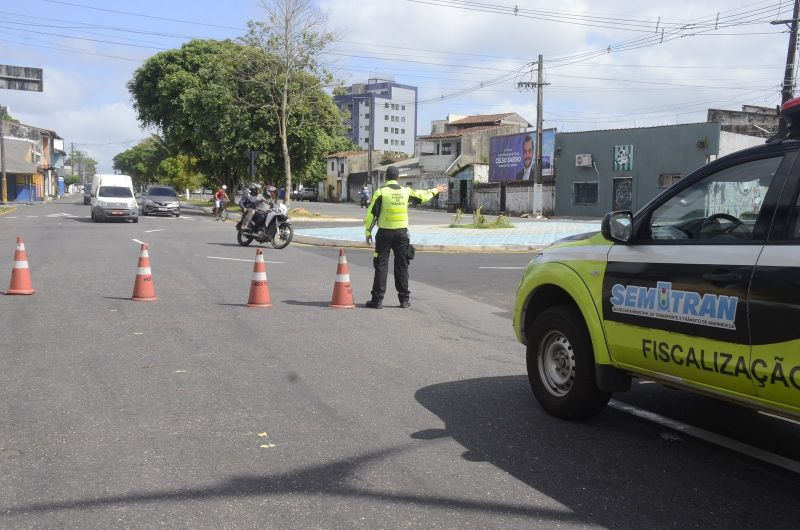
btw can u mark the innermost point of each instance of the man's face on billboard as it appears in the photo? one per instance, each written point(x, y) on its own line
point(527, 151)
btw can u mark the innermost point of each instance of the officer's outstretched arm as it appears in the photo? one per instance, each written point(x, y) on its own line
point(373, 210)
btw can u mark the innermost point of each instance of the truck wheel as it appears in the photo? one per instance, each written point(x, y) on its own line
point(561, 365)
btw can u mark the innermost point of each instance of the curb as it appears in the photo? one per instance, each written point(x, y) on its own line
point(343, 243)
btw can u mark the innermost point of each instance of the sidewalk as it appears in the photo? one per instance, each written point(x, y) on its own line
point(525, 236)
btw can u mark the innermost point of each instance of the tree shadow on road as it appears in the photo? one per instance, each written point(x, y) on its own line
point(332, 479)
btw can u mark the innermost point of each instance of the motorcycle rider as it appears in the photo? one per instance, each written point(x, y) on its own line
point(250, 200)
point(365, 196)
point(263, 206)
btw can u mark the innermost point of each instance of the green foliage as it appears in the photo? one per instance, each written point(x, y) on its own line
point(180, 172)
point(285, 70)
point(480, 221)
point(192, 95)
point(141, 161)
point(215, 100)
point(72, 179)
point(502, 221)
point(459, 216)
point(477, 217)
point(82, 164)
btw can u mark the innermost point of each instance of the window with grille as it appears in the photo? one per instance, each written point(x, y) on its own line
point(665, 180)
point(584, 192)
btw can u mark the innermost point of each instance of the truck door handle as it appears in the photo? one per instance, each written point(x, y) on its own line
point(723, 278)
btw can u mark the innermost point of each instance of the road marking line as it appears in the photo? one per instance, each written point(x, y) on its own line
point(156, 230)
point(779, 417)
point(31, 216)
point(239, 259)
point(137, 241)
point(11, 217)
point(708, 436)
point(504, 268)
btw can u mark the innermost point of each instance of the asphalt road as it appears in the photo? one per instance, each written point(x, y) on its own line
point(196, 412)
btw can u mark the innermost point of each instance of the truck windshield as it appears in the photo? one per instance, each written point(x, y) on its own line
point(115, 191)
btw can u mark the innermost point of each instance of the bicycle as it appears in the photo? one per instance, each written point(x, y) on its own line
point(222, 214)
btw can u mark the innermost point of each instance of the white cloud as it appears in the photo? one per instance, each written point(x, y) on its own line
point(602, 92)
point(85, 99)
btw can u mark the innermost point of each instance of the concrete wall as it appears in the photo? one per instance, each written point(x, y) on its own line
point(674, 149)
point(731, 142)
point(435, 163)
point(475, 145)
point(762, 122)
point(519, 199)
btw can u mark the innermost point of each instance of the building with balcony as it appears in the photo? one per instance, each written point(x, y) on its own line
point(381, 115)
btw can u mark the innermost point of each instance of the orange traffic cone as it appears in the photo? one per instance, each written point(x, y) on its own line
point(259, 285)
point(143, 288)
point(342, 290)
point(20, 275)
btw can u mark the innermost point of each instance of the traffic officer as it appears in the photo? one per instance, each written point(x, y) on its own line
point(389, 208)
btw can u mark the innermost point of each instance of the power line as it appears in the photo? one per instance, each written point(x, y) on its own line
point(132, 14)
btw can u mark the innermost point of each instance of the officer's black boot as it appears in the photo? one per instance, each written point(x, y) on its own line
point(374, 304)
point(405, 304)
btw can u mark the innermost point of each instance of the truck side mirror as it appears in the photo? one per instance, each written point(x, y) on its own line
point(618, 227)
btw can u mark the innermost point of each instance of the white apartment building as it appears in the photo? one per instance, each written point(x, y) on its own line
point(383, 115)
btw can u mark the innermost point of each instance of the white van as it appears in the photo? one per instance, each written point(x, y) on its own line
point(113, 198)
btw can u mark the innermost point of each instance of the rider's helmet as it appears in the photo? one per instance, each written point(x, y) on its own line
point(254, 190)
point(224, 187)
point(271, 189)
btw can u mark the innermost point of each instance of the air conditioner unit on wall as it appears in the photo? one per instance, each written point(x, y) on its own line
point(583, 160)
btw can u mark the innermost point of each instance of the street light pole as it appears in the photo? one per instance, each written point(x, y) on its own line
point(787, 91)
point(3, 183)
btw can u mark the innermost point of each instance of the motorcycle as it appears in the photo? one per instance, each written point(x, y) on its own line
point(364, 201)
point(276, 229)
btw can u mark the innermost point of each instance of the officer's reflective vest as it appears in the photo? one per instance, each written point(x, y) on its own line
point(390, 205)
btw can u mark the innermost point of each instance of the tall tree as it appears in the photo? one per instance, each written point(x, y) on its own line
point(290, 38)
point(142, 160)
point(192, 96)
point(82, 164)
point(180, 172)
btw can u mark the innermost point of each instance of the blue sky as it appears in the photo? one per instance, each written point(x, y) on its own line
point(465, 60)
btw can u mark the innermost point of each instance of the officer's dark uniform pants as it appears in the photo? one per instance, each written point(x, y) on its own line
point(396, 241)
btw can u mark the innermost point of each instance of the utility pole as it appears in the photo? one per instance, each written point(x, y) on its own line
point(539, 87)
point(539, 105)
point(371, 143)
point(787, 91)
point(3, 183)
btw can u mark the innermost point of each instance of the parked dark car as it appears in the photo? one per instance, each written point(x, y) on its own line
point(161, 200)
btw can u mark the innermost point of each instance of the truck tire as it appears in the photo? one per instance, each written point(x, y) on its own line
point(561, 365)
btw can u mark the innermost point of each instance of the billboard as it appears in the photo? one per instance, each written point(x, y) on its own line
point(513, 157)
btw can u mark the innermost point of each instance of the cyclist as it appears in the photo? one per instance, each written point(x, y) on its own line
point(220, 200)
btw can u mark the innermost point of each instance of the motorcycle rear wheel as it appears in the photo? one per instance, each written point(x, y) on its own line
point(243, 239)
point(283, 236)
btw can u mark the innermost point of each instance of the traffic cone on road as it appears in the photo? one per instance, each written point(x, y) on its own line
point(342, 290)
point(259, 285)
point(20, 274)
point(143, 288)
